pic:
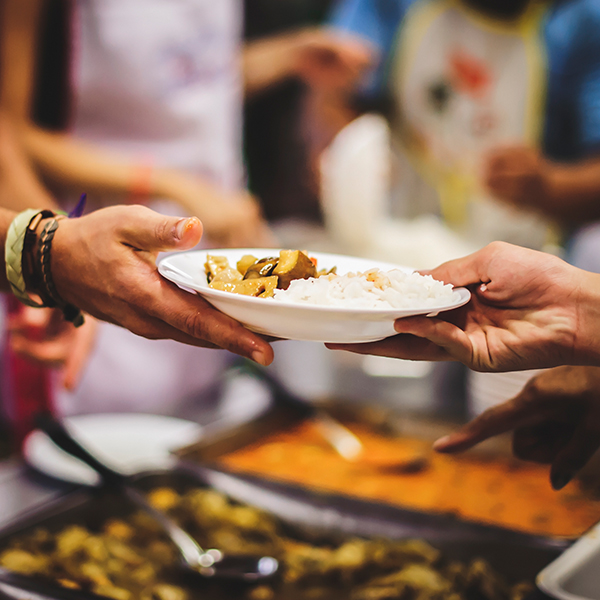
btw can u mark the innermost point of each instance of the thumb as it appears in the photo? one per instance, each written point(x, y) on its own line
point(153, 232)
point(461, 271)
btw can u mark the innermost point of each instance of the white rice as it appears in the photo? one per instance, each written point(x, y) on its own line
point(371, 289)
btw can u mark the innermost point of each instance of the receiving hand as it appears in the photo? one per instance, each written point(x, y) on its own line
point(520, 176)
point(43, 336)
point(555, 420)
point(528, 310)
point(105, 264)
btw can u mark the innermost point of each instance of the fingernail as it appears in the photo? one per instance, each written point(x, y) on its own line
point(184, 225)
point(560, 479)
point(441, 442)
point(259, 357)
point(181, 227)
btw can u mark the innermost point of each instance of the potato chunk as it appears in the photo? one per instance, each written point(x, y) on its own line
point(293, 264)
point(246, 261)
point(262, 286)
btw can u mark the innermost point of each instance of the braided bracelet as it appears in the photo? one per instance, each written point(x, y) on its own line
point(18, 246)
point(47, 290)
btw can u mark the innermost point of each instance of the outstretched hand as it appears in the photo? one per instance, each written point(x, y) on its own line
point(528, 310)
point(105, 264)
point(555, 420)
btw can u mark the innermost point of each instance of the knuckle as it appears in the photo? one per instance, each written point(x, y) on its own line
point(162, 229)
point(195, 325)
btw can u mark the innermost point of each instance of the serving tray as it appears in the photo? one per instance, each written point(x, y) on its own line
point(315, 517)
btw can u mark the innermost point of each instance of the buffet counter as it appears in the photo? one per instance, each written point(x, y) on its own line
point(23, 490)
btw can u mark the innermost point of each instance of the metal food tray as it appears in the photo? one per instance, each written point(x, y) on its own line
point(312, 516)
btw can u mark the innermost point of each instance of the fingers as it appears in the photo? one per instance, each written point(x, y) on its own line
point(29, 318)
point(452, 340)
point(464, 271)
point(153, 232)
point(81, 348)
point(51, 352)
point(196, 318)
point(574, 455)
point(541, 443)
point(399, 346)
point(494, 421)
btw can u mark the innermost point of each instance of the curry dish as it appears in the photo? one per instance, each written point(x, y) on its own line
point(499, 491)
point(128, 558)
point(261, 276)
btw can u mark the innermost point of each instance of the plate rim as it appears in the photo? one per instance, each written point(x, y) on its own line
point(92, 478)
point(163, 266)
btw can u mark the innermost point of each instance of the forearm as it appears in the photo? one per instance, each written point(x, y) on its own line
point(83, 167)
point(19, 186)
point(75, 164)
point(19, 24)
point(269, 61)
point(574, 190)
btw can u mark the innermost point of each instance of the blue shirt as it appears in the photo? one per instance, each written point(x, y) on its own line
point(571, 35)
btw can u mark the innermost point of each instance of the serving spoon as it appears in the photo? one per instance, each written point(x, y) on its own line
point(211, 563)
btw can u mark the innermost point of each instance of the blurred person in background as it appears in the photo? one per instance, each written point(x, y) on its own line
point(495, 103)
point(154, 92)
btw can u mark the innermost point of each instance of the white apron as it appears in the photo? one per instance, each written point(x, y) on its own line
point(465, 85)
point(158, 81)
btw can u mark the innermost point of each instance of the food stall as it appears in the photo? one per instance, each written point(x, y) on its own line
point(398, 522)
point(308, 501)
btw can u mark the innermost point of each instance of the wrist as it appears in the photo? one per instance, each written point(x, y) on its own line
point(587, 326)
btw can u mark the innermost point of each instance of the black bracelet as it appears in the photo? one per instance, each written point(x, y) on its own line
point(31, 275)
point(48, 291)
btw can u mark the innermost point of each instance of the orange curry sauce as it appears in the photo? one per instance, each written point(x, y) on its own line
point(500, 491)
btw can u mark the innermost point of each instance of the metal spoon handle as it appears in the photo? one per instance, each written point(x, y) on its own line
point(190, 551)
point(57, 432)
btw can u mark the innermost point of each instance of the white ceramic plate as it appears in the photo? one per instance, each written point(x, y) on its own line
point(126, 442)
point(292, 321)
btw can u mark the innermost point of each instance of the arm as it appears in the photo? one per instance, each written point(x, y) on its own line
point(19, 20)
point(19, 186)
point(528, 310)
point(229, 219)
point(318, 56)
point(104, 263)
point(523, 177)
point(567, 191)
